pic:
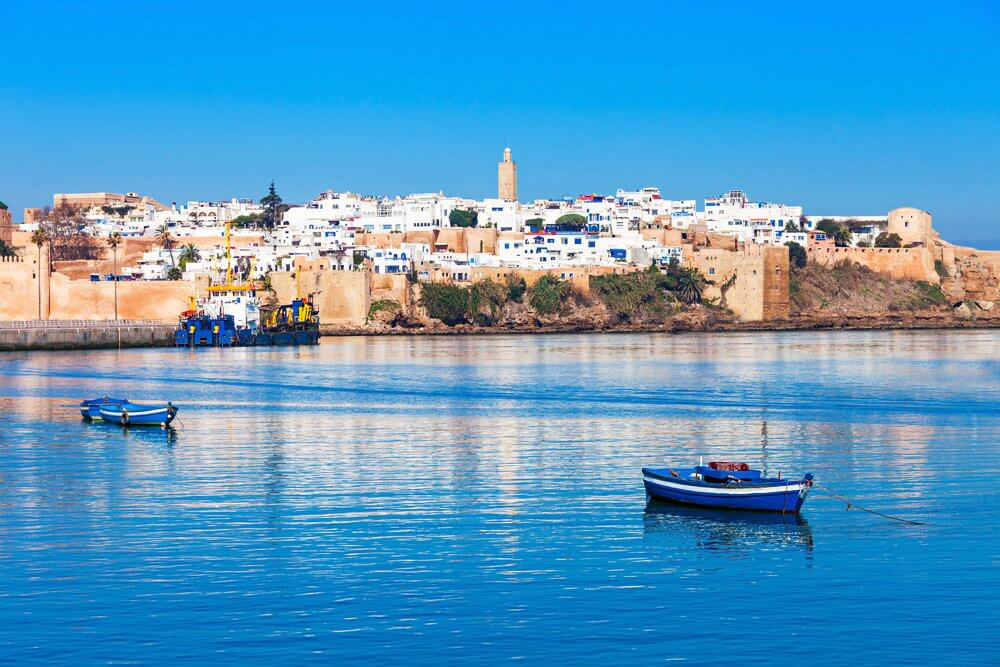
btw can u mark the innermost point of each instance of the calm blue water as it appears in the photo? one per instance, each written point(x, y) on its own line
point(454, 500)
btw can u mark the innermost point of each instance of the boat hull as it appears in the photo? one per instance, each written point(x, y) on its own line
point(786, 497)
point(247, 338)
point(92, 409)
point(135, 414)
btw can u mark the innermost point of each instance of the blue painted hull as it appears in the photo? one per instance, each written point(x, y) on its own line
point(245, 338)
point(787, 496)
point(91, 409)
point(136, 414)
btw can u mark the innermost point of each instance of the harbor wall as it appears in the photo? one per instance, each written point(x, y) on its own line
point(84, 335)
point(27, 293)
point(343, 297)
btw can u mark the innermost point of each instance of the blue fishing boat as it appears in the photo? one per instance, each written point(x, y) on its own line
point(139, 414)
point(729, 485)
point(91, 409)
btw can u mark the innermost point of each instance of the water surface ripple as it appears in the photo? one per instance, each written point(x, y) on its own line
point(446, 500)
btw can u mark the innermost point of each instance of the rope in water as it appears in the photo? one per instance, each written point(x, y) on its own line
point(851, 503)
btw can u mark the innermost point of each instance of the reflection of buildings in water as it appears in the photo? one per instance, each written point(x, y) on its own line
point(729, 532)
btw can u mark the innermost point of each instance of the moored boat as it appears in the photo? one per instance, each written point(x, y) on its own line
point(728, 485)
point(139, 414)
point(91, 408)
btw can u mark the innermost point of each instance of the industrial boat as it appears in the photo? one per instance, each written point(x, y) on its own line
point(232, 315)
point(729, 485)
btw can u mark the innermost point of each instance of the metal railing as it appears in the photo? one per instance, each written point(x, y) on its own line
point(81, 324)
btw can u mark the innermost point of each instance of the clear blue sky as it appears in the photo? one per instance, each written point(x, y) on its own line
point(850, 107)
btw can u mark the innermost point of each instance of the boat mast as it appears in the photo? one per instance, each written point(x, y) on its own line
point(229, 266)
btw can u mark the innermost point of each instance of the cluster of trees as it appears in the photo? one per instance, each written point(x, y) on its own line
point(571, 222)
point(887, 240)
point(68, 232)
point(462, 218)
point(483, 302)
point(838, 231)
point(648, 294)
point(188, 253)
point(274, 208)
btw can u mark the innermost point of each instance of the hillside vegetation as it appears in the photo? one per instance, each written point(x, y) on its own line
point(851, 289)
point(642, 298)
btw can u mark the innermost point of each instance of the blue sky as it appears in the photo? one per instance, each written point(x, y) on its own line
point(850, 107)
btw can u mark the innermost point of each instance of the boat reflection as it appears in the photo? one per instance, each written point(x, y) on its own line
point(734, 532)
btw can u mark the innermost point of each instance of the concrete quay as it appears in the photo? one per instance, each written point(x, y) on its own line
point(84, 334)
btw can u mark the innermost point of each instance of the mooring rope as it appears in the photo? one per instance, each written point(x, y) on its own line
point(850, 503)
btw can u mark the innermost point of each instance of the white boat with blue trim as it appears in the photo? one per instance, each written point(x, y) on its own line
point(727, 484)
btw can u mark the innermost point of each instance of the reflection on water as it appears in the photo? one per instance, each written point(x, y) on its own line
point(478, 499)
point(730, 532)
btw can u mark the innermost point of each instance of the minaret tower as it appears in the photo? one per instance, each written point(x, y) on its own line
point(507, 178)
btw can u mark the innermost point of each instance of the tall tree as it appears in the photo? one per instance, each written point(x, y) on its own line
point(166, 240)
point(70, 233)
point(40, 237)
point(114, 240)
point(690, 285)
point(840, 234)
point(272, 207)
point(189, 253)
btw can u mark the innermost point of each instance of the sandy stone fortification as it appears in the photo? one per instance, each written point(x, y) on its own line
point(750, 282)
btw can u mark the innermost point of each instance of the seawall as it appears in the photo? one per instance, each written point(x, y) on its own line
point(83, 335)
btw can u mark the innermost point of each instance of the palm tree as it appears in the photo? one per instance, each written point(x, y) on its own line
point(690, 285)
point(113, 241)
point(166, 240)
point(40, 237)
point(189, 253)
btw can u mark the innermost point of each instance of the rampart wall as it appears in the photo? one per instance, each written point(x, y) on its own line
point(898, 263)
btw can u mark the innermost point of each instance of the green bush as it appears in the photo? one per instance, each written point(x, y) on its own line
point(840, 234)
point(462, 218)
point(486, 299)
point(571, 222)
point(632, 296)
point(887, 240)
point(940, 268)
point(388, 305)
point(516, 287)
point(448, 303)
point(796, 254)
point(929, 293)
point(548, 295)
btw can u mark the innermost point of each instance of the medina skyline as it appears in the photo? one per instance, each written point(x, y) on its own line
point(403, 100)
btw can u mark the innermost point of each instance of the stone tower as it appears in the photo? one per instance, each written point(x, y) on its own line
point(912, 225)
point(507, 178)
